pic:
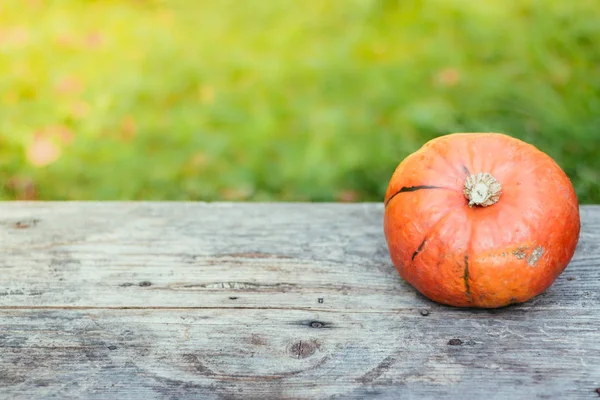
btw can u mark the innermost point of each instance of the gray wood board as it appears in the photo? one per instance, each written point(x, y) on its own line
point(283, 300)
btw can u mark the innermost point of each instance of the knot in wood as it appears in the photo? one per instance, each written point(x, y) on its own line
point(302, 349)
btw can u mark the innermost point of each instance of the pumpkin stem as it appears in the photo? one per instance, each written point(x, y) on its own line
point(482, 189)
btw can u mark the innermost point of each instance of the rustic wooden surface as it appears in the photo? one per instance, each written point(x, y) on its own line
point(287, 301)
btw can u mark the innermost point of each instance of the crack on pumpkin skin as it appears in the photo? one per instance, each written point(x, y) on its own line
point(466, 277)
point(406, 189)
point(419, 249)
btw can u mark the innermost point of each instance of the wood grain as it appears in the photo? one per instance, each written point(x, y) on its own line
point(287, 301)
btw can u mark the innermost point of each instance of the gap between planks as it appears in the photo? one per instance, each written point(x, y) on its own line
point(437, 308)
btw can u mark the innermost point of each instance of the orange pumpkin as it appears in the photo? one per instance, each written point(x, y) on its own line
point(480, 220)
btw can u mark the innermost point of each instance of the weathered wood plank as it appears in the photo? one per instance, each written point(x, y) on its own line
point(298, 354)
point(198, 255)
point(180, 300)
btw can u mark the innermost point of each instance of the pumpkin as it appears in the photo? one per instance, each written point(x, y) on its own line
point(480, 220)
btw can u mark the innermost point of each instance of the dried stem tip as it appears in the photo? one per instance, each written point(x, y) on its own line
point(482, 189)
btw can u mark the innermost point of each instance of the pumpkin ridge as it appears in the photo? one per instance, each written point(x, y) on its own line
point(448, 162)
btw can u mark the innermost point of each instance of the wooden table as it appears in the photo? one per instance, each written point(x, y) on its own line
point(260, 301)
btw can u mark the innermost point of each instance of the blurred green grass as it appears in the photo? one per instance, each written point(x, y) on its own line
point(314, 100)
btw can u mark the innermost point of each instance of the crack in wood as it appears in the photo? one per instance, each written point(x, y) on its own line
point(253, 255)
point(240, 285)
point(381, 368)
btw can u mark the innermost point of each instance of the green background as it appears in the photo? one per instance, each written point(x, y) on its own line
point(297, 100)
